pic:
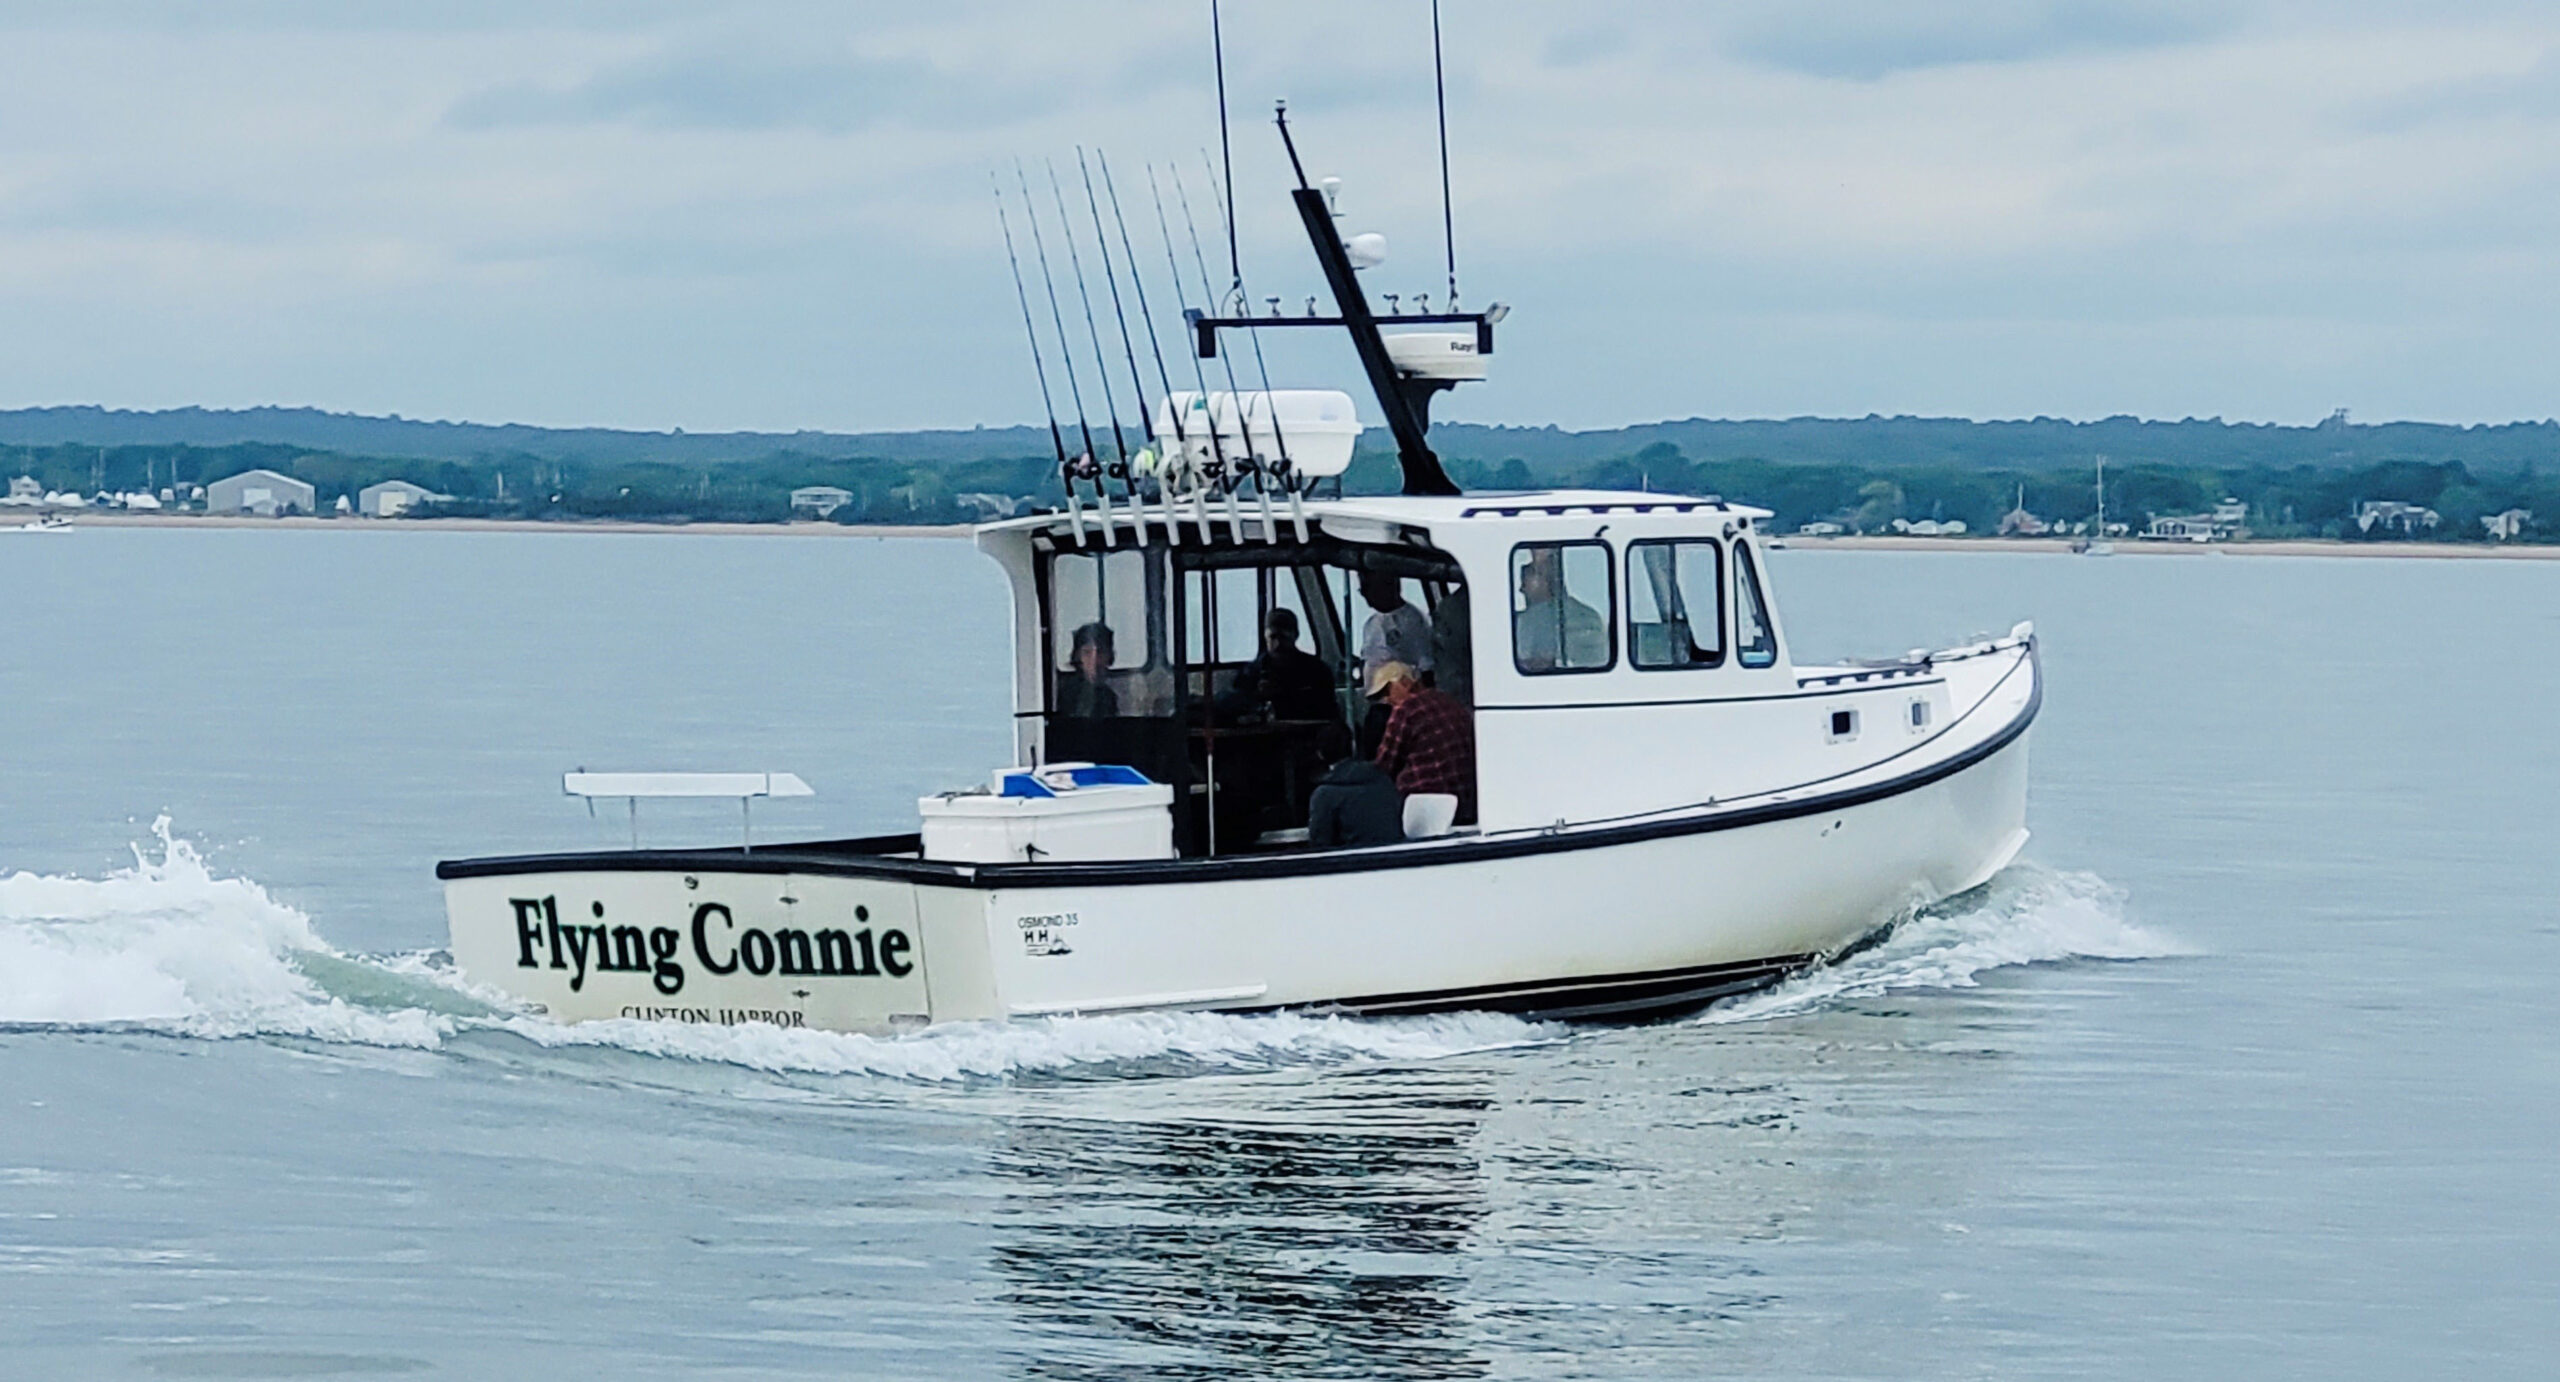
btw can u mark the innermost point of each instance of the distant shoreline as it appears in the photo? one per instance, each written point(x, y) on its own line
point(95, 518)
point(2131, 547)
point(2137, 547)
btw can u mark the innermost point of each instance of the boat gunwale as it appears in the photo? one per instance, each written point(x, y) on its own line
point(870, 857)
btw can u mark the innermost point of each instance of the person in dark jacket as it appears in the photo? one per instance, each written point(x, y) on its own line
point(1356, 804)
point(1286, 680)
point(1084, 691)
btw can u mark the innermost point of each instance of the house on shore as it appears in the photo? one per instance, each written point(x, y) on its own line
point(392, 498)
point(818, 501)
point(267, 493)
point(2389, 516)
point(25, 491)
point(2227, 520)
point(2507, 526)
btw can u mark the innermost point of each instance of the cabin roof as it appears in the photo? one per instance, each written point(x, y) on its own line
point(1491, 506)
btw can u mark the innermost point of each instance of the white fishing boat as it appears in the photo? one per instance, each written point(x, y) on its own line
point(50, 523)
point(1661, 807)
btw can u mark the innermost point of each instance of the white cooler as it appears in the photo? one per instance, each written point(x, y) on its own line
point(1065, 811)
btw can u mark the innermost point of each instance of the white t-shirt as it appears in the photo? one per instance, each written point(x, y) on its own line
point(1402, 634)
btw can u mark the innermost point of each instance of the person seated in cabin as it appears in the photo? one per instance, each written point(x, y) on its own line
point(1355, 803)
point(1084, 689)
point(1554, 630)
point(1285, 681)
point(1430, 743)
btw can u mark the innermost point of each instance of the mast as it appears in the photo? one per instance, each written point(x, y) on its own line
point(1422, 472)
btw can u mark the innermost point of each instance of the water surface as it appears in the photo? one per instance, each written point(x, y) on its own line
point(2250, 1068)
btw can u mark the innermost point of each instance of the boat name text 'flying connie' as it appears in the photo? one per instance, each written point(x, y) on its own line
point(720, 946)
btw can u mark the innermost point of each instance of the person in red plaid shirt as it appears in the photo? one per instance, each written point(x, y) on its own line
point(1430, 743)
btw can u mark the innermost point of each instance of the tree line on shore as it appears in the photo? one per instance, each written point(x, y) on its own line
point(2284, 499)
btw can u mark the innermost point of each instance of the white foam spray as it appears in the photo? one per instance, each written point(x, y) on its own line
point(167, 946)
point(2028, 915)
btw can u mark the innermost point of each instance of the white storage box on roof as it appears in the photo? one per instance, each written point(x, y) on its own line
point(1316, 428)
point(1065, 811)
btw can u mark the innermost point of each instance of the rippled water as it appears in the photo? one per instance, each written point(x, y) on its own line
point(2248, 1069)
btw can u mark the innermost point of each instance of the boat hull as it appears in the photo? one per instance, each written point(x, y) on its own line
point(1639, 918)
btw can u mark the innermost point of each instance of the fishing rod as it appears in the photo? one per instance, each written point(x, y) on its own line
point(1285, 471)
point(1200, 378)
point(1102, 371)
point(1146, 318)
point(1128, 349)
point(1086, 467)
point(1022, 296)
point(1236, 476)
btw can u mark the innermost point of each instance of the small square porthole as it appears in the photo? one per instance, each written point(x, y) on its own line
point(1844, 725)
point(1919, 714)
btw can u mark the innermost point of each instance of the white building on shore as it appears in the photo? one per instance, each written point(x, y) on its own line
point(268, 493)
point(392, 498)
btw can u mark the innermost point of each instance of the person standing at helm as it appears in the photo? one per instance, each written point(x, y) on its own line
point(1397, 632)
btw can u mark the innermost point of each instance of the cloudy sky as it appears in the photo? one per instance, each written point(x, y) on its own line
point(778, 215)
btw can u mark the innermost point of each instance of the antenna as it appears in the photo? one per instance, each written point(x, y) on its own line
point(1226, 151)
point(1022, 296)
point(1448, 221)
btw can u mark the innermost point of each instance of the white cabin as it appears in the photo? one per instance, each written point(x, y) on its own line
point(1632, 662)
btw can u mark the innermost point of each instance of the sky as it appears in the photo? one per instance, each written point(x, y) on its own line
point(778, 216)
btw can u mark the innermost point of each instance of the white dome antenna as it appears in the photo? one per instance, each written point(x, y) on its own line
point(1367, 250)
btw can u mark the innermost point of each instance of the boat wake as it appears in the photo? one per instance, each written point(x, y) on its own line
point(168, 947)
point(2027, 915)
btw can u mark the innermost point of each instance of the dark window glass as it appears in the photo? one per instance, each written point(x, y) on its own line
point(1675, 604)
point(1562, 604)
point(1755, 639)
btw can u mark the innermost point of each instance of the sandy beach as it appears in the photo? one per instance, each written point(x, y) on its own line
point(2126, 547)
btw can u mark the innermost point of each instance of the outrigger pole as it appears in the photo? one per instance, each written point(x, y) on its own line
point(1032, 333)
point(1235, 473)
point(1084, 466)
point(1283, 472)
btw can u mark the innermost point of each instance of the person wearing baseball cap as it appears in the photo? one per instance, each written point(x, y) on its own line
point(1430, 741)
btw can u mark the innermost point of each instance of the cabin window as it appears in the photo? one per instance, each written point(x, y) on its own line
point(1919, 714)
point(1755, 639)
point(1675, 604)
point(1844, 726)
point(1105, 588)
point(1562, 608)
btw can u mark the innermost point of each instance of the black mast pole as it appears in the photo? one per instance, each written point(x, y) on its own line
point(1422, 472)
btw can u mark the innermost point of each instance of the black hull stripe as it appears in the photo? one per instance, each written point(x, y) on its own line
point(1605, 997)
point(863, 858)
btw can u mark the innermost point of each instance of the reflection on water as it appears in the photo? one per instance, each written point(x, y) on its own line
point(1316, 1236)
